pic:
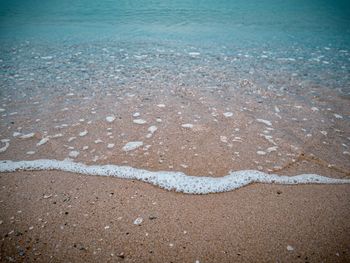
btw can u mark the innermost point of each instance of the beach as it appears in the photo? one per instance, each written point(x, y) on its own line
point(57, 216)
point(174, 131)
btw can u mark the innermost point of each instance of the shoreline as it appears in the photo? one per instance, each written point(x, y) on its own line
point(170, 180)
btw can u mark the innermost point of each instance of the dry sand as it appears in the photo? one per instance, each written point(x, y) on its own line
point(62, 217)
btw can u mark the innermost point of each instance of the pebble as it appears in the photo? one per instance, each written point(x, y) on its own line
point(15, 134)
point(73, 154)
point(132, 146)
point(290, 248)
point(139, 121)
point(43, 141)
point(83, 133)
point(4, 148)
point(151, 130)
point(266, 122)
point(110, 118)
point(71, 139)
point(27, 136)
point(223, 139)
point(138, 221)
point(187, 125)
point(324, 133)
point(228, 114)
point(272, 149)
point(110, 145)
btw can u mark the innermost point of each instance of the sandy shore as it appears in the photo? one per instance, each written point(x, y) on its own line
point(63, 217)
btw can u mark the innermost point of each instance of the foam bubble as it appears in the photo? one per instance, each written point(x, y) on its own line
point(177, 181)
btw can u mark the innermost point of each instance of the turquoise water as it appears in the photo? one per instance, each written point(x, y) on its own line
point(267, 22)
point(258, 40)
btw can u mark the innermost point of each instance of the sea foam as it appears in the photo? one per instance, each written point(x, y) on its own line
point(177, 181)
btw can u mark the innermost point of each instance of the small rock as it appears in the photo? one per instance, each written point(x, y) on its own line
point(43, 141)
point(83, 133)
point(110, 145)
point(132, 146)
point(187, 125)
point(138, 221)
point(266, 122)
point(73, 154)
point(110, 118)
point(228, 114)
point(139, 121)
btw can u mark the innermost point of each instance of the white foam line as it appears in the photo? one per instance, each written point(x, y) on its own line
point(177, 181)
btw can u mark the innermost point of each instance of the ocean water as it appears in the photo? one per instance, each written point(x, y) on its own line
point(250, 84)
point(204, 22)
point(314, 33)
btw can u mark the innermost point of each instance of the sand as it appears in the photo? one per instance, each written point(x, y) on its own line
point(62, 217)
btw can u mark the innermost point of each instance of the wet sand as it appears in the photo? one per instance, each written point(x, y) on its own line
point(62, 217)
